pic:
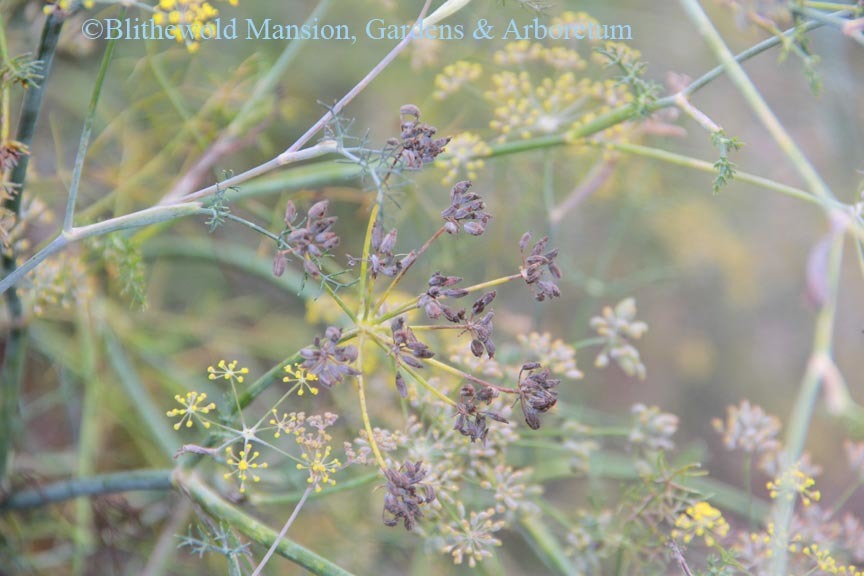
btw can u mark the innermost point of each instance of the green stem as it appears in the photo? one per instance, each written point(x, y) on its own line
point(464, 375)
point(364, 410)
point(281, 535)
point(89, 436)
point(545, 545)
point(805, 404)
point(366, 281)
point(84, 143)
point(834, 21)
point(840, 504)
point(754, 99)
point(294, 497)
point(404, 270)
point(215, 505)
point(626, 112)
point(129, 221)
point(113, 483)
point(151, 416)
point(12, 370)
point(702, 165)
point(275, 75)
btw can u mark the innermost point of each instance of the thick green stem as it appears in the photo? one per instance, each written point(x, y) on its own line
point(116, 482)
point(129, 221)
point(215, 505)
point(805, 404)
point(12, 371)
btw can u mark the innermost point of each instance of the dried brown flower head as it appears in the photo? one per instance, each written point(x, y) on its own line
point(537, 392)
point(539, 269)
point(417, 145)
point(383, 261)
point(329, 361)
point(441, 286)
point(310, 240)
point(466, 210)
point(470, 420)
point(406, 493)
point(408, 350)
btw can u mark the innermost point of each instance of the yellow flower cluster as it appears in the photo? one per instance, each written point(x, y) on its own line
point(523, 108)
point(320, 467)
point(190, 18)
point(227, 371)
point(243, 465)
point(454, 76)
point(825, 563)
point(701, 521)
point(301, 378)
point(525, 52)
point(570, 18)
point(65, 5)
point(792, 483)
point(464, 157)
point(193, 407)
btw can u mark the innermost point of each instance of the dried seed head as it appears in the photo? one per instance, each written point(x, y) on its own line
point(466, 210)
point(406, 493)
point(417, 145)
point(290, 213)
point(329, 361)
point(470, 421)
point(400, 385)
point(537, 393)
point(481, 304)
point(280, 263)
point(539, 269)
point(410, 110)
point(318, 210)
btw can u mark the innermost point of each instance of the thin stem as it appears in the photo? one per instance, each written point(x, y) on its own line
point(138, 219)
point(702, 165)
point(404, 270)
point(284, 159)
point(413, 303)
point(840, 504)
point(417, 378)
point(293, 497)
point(341, 303)
point(459, 373)
point(425, 384)
point(364, 411)
point(755, 100)
point(12, 370)
point(366, 281)
point(339, 106)
point(841, 24)
point(228, 138)
point(282, 532)
point(596, 178)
